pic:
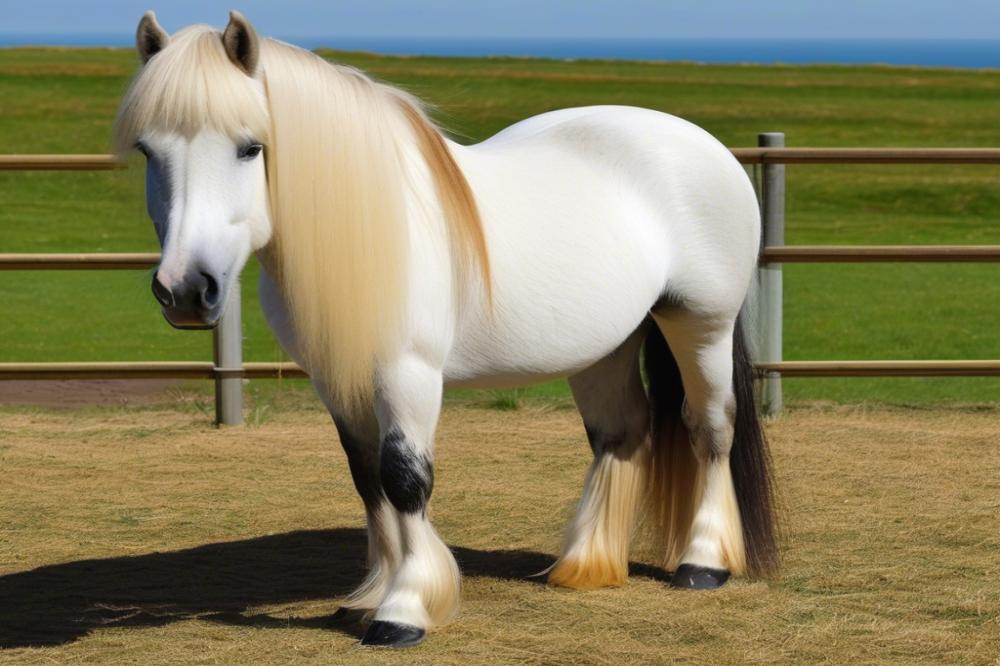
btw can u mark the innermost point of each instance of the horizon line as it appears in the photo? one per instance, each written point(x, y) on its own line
point(129, 35)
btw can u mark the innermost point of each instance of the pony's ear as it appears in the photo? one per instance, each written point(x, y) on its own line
point(150, 38)
point(242, 45)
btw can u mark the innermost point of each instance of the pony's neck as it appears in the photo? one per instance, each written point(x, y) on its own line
point(339, 187)
point(339, 249)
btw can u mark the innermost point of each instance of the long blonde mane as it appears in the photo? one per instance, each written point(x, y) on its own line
point(335, 147)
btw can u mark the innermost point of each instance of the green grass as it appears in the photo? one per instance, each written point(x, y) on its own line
point(64, 100)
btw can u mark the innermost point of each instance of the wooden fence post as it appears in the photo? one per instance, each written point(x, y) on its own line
point(228, 353)
point(770, 314)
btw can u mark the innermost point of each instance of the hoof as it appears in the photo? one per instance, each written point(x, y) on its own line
point(390, 634)
point(693, 577)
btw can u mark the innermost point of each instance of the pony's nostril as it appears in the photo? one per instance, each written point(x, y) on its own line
point(163, 295)
point(209, 292)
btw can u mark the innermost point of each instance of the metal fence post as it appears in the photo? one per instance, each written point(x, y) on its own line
point(770, 275)
point(228, 343)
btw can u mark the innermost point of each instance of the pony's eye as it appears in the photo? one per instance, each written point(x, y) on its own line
point(249, 151)
point(141, 147)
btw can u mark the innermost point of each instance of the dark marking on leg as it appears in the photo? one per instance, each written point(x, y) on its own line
point(602, 442)
point(362, 458)
point(407, 476)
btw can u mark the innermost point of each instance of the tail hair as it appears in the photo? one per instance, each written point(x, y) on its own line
point(750, 462)
point(676, 477)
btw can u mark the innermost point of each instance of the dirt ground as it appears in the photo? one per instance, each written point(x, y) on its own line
point(76, 393)
point(144, 535)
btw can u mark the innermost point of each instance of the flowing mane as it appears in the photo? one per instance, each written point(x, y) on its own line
point(341, 184)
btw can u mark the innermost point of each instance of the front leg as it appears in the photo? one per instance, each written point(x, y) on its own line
point(425, 589)
point(360, 440)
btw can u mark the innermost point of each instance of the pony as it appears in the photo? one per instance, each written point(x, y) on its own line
point(603, 244)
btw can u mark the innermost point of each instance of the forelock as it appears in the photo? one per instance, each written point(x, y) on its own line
point(189, 86)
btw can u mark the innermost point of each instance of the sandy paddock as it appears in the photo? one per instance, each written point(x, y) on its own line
point(143, 534)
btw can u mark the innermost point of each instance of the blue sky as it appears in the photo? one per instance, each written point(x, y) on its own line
point(527, 18)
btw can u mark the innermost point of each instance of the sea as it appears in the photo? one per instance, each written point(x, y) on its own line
point(952, 53)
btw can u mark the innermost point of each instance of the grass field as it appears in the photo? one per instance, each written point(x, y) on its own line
point(143, 536)
point(64, 100)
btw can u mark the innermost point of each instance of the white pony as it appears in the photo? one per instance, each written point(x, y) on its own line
point(398, 263)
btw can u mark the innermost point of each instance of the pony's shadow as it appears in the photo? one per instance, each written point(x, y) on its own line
point(217, 582)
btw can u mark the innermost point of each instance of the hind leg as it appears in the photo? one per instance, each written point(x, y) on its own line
point(615, 412)
point(703, 348)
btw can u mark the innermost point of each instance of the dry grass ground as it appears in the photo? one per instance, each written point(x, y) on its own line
point(143, 535)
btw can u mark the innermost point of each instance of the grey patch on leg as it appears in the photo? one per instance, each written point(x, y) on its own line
point(709, 444)
point(407, 476)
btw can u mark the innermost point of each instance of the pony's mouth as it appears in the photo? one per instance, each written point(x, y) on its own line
point(192, 321)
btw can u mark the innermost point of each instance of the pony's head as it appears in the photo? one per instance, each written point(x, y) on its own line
point(252, 143)
point(198, 112)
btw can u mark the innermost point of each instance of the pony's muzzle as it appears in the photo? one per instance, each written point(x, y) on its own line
point(194, 302)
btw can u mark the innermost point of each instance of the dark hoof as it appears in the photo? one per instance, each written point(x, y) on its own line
point(390, 634)
point(693, 577)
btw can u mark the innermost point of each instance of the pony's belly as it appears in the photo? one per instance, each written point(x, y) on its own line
point(502, 380)
point(496, 372)
point(542, 328)
point(538, 345)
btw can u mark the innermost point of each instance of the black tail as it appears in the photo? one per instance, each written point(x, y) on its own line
point(750, 462)
point(675, 475)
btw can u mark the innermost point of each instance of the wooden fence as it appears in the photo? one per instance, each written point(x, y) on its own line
point(770, 157)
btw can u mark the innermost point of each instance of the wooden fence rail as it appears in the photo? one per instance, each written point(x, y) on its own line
point(883, 368)
point(771, 155)
point(759, 155)
point(786, 254)
point(78, 262)
point(811, 254)
point(60, 163)
point(782, 155)
point(253, 370)
point(147, 370)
